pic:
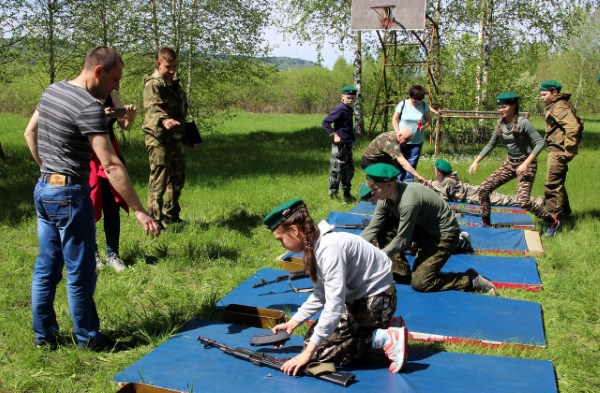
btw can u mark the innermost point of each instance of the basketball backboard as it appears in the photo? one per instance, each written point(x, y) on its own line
point(388, 14)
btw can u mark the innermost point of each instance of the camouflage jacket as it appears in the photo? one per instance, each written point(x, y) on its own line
point(385, 145)
point(452, 189)
point(162, 102)
point(563, 127)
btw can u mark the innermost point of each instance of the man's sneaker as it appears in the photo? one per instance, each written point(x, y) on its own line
point(396, 347)
point(103, 343)
point(116, 263)
point(552, 228)
point(99, 262)
point(486, 221)
point(347, 197)
point(464, 243)
point(170, 221)
point(333, 194)
point(480, 283)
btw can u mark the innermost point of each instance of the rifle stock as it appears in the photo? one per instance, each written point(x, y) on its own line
point(262, 359)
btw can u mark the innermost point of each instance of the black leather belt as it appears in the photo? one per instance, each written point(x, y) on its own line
point(60, 180)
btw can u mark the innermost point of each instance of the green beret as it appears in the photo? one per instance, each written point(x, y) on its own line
point(598, 79)
point(443, 166)
point(364, 192)
point(281, 213)
point(350, 90)
point(382, 172)
point(550, 85)
point(506, 98)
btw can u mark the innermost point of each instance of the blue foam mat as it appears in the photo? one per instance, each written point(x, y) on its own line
point(505, 272)
point(182, 363)
point(501, 216)
point(507, 240)
point(448, 315)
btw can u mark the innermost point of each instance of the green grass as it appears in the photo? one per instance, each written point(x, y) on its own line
point(251, 163)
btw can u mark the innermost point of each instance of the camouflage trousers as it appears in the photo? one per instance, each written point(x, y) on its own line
point(496, 198)
point(502, 175)
point(555, 192)
point(341, 167)
point(167, 177)
point(431, 256)
point(353, 336)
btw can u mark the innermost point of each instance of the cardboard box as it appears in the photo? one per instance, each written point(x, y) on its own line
point(259, 317)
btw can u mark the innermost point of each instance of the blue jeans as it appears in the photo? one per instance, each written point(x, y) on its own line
point(412, 153)
point(112, 218)
point(66, 233)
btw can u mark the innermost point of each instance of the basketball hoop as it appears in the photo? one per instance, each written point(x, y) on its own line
point(386, 15)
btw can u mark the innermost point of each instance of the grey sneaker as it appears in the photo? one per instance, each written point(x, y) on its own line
point(116, 263)
point(481, 284)
point(99, 262)
point(552, 228)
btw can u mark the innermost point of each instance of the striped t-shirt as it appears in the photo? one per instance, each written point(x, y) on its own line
point(67, 115)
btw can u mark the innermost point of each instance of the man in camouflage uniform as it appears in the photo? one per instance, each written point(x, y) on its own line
point(425, 219)
point(563, 134)
point(449, 186)
point(387, 148)
point(166, 107)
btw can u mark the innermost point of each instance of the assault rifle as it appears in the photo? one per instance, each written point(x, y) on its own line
point(291, 276)
point(362, 225)
point(262, 359)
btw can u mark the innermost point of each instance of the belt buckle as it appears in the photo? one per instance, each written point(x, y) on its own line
point(58, 180)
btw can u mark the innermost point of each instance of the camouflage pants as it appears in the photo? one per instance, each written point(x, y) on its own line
point(432, 255)
point(555, 192)
point(341, 167)
point(353, 336)
point(400, 266)
point(167, 177)
point(502, 175)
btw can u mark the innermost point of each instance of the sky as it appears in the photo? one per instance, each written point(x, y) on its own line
point(288, 48)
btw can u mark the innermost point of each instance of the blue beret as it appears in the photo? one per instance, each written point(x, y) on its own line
point(550, 85)
point(350, 90)
point(281, 213)
point(506, 98)
point(382, 172)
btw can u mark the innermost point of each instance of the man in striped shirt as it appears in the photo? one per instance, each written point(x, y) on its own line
point(71, 123)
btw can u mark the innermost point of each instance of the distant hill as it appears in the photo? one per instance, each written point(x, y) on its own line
point(288, 63)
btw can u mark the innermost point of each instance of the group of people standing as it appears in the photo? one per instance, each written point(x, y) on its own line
point(83, 174)
point(402, 148)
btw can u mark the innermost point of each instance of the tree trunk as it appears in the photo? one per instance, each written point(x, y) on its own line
point(359, 123)
point(155, 28)
point(485, 24)
point(51, 52)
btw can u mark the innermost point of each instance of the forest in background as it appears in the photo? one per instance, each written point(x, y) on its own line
point(223, 51)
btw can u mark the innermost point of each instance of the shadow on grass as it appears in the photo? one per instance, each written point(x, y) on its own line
point(219, 159)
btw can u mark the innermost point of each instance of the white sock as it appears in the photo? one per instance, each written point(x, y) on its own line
point(380, 338)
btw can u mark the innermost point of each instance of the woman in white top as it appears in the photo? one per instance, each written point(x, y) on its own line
point(353, 288)
point(415, 114)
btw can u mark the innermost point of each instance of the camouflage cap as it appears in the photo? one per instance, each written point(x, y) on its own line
point(350, 90)
point(550, 85)
point(507, 98)
point(443, 166)
point(364, 192)
point(281, 213)
point(381, 172)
